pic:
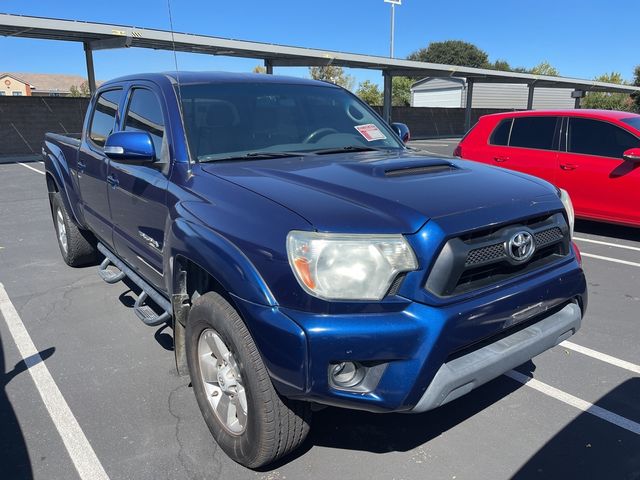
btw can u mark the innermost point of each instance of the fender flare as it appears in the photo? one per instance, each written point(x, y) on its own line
point(57, 166)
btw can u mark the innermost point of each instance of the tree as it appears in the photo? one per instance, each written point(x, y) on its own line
point(452, 52)
point(259, 69)
point(607, 100)
point(333, 74)
point(501, 65)
point(80, 91)
point(401, 91)
point(545, 68)
point(636, 96)
point(370, 93)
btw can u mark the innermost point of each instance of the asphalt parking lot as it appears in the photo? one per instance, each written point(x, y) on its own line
point(573, 412)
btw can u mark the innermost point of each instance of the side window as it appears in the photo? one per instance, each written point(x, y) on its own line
point(145, 115)
point(104, 116)
point(500, 135)
point(593, 137)
point(533, 132)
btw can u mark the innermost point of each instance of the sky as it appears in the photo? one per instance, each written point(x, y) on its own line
point(582, 39)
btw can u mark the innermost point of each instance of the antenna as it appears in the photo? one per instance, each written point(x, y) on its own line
point(175, 57)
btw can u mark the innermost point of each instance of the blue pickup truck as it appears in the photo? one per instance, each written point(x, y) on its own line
point(304, 255)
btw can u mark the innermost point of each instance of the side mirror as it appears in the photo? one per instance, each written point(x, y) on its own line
point(130, 147)
point(632, 155)
point(402, 130)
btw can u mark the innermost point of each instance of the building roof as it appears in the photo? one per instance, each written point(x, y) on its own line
point(15, 77)
point(49, 82)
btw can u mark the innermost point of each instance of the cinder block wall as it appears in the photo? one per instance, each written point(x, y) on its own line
point(24, 121)
point(431, 122)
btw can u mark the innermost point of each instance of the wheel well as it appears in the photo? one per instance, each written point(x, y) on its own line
point(192, 280)
point(51, 184)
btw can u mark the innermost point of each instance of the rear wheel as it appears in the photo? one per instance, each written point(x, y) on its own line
point(76, 245)
point(246, 416)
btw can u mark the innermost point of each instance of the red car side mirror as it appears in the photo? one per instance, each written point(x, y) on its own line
point(632, 155)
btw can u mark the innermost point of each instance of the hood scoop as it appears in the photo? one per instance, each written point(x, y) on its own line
point(426, 169)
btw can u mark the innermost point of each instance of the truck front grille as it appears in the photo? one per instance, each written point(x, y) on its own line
point(480, 259)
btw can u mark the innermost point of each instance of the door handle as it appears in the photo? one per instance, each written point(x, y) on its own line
point(113, 181)
point(81, 166)
point(500, 159)
point(568, 166)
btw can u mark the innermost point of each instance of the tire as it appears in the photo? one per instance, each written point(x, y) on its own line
point(76, 245)
point(272, 426)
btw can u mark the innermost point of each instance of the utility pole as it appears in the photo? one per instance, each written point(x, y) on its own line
point(393, 22)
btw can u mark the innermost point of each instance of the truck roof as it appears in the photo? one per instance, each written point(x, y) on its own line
point(190, 78)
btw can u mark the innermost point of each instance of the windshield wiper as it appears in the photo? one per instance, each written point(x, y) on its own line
point(351, 148)
point(252, 156)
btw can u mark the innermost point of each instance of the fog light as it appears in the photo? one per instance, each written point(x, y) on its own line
point(345, 374)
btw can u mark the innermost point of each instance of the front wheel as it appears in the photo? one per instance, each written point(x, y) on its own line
point(246, 416)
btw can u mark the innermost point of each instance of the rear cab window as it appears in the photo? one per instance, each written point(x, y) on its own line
point(104, 116)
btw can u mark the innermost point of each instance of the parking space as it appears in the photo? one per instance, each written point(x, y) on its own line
point(578, 418)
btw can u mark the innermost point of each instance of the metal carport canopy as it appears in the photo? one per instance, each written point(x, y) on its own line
point(98, 36)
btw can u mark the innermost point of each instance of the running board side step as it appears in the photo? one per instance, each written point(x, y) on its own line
point(142, 310)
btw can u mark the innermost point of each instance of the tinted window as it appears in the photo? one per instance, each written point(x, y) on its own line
point(593, 137)
point(500, 135)
point(104, 116)
point(533, 132)
point(145, 115)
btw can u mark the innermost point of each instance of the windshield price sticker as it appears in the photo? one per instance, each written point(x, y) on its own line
point(370, 132)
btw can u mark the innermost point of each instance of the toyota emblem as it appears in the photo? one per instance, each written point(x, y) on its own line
point(521, 246)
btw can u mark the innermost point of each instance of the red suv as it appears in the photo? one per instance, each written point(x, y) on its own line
point(593, 154)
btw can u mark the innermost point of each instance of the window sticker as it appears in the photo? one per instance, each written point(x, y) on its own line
point(370, 132)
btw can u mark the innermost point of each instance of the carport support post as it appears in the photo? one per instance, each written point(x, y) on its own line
point(269, 67)
point(386, 104)
point(577, 104)
point(91, 76)
point(530, 97)
point(467, 112)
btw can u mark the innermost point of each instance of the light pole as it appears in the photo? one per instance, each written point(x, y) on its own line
point(393, 21)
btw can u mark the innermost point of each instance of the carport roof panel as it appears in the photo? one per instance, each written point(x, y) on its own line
point(114, 36)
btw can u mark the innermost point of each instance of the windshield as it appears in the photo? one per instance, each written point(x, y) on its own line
point(256, 120)
point(633, 121)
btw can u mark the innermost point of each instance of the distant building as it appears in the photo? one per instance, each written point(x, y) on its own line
point(39, 84)
point(451, 92)
point(12, 85)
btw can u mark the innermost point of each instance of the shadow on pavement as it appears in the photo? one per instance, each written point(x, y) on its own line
point(14, 456)
point(590, 447)
point(608, 230)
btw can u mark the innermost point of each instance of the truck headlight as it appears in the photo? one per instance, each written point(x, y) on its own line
point(348, 266)
point(568, 206)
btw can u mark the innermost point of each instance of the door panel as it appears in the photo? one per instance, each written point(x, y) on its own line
point(92, 165)
point(602, 185)
point(138, 197)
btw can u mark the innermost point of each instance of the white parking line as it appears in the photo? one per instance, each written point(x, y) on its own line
point(599, 242)
point(576, 402)
point(30, 168)
point(75, 441)
point(609, 259)
point(437, 144)
point(603, 357)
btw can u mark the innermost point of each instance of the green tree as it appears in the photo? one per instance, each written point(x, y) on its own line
point(636, 96)
point(452, 52)
point(607, 100)
point(259, 69)
point(333, 74)
point(545, 68)
point(401, 91)
point(501, 65)
point(81, 90)
point(370, 93)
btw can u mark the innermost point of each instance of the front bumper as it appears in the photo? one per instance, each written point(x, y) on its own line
point(430, 353)
point(461, 375)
